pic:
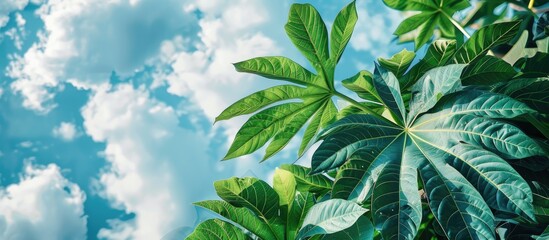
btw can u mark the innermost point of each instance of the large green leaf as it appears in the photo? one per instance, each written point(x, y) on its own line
point(362, 84)
point(388, 88)
point(362, 229)
point(308, 32)
point(456, 143)
point(531, 67)
point(241, 216)
point(308, 105)
point(306, 182)
point(484, 39)
point(438, 54)
point(215, 229)
point(251, 193)
point(285, 186)
point(330, 216)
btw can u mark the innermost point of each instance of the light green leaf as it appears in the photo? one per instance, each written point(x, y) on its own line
point(487, 70)
point(285, 186)
point(263, 98)
point(435, 84)
point(283, 120)
point(280, 68)
point(342, 29)
point(484, 39)
point(251, 193)
point(307, 31)
point(362, 229)
point(330, 216)
point(215, 229)
point(324, 116)
point(306, 182)
point(438, 54)
point(241, 216)
point(399, 63)
point(362, 84)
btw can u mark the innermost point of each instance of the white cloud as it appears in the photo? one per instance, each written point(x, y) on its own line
point(43, 205)
point(374, 28)
point(156, 169)
point(83, 41)
point(66, 131)
point(8, 6)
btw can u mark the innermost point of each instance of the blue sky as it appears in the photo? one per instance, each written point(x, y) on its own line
point(107, 107)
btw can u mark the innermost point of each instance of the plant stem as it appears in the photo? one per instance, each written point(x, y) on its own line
point(456, 24)
point(358, 105)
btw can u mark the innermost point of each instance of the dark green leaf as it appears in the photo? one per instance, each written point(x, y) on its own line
point(487, 70)
point(215, 229)
point(306, 182)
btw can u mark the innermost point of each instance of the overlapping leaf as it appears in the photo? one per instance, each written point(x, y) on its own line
point(456, 142)
point(216, 229)
point(298, 105)
point(432, 14)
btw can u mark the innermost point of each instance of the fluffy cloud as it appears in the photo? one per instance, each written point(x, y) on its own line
point(66, 131)
point(84, 41)
point(43, 205)
point(8, 6)
point(374, 28)
point(156, 168)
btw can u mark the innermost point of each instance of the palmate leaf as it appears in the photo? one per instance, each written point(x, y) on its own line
point(362, 229)
point(308, 105)
point(330, 216)
point(432, 14)
point(438, 54)
point(216, 229)
point(454, 139)
point(532, 91)
point(242, 216)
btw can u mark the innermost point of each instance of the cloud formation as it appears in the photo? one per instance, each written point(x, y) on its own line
point(66, 131)
point(43, 205)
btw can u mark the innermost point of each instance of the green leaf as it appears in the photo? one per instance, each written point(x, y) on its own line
point(487, 70)
point(399, 63)
point(342, 29)
point(306, 182)
point(355, 179)
point(324, 116)
point(242, 216)
point(362, 84)
point(487, 171)
point(302, 203)
point(531, 67)
point(435, 84)
point(532, 91)
point(307, 31)
point(432, 14)
point(438, 54)
point(372, 152)
point(353, 133)
point(280, 68)
point(387, 86)
point(330, 216)
point(251, 193)
point(283, 121)
point(216, 229)
point(456, 204)
point(362, 229)
point(484, 39)
point(285, 186)
point(263, 98)
point(396, 204)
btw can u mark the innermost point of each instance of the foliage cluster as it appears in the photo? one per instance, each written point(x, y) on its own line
point(453, 145)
